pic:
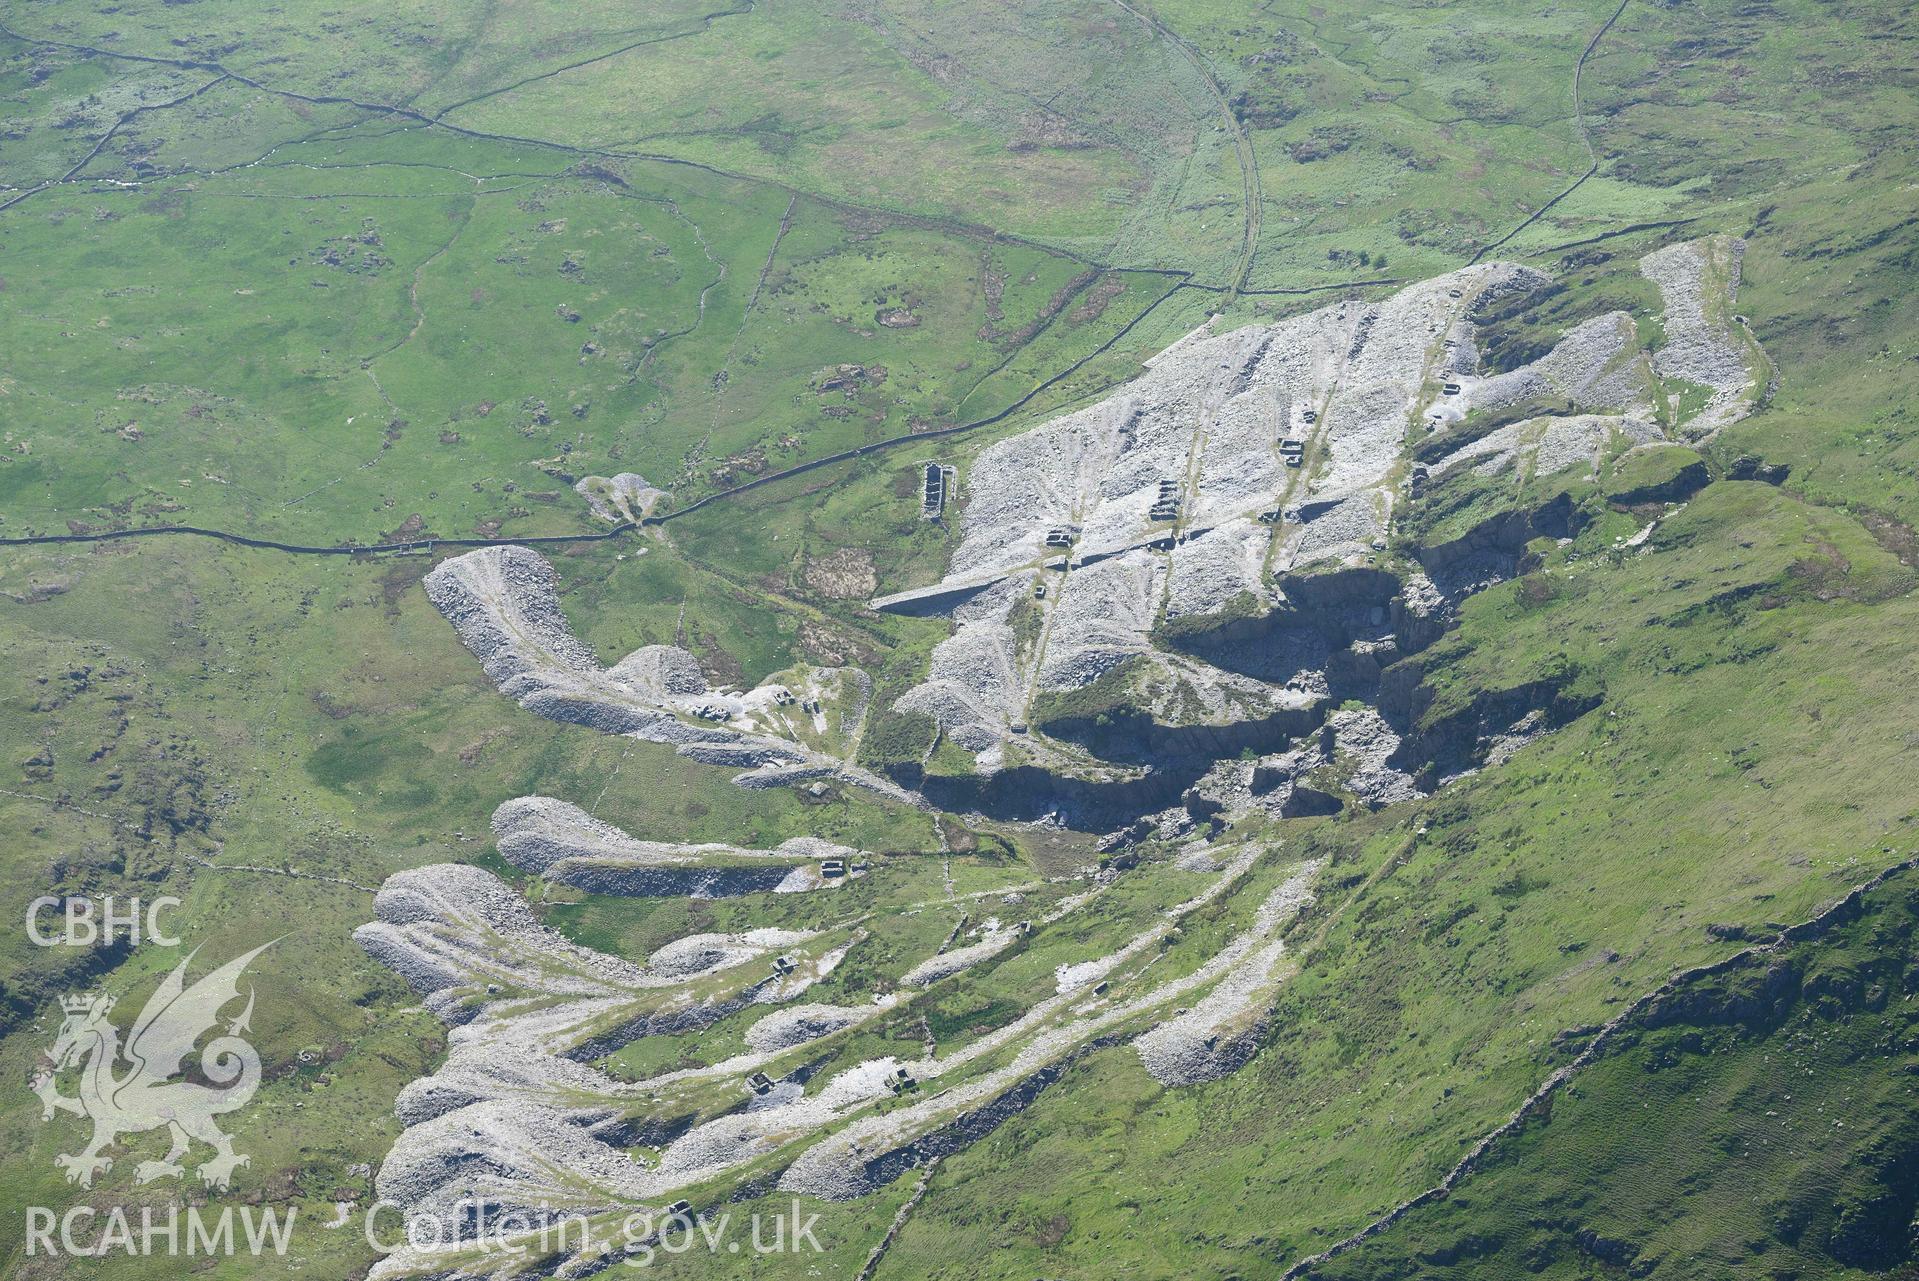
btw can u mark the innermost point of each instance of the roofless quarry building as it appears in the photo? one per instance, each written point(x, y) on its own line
point(940, 483)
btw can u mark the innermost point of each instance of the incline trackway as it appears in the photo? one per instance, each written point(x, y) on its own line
point(1252, 197)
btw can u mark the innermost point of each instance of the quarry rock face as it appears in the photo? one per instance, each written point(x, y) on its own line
point(1206, 597)
point(1216, 541)
point(1203, 564)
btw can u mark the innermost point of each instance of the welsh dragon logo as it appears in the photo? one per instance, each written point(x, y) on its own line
point(144, 1097)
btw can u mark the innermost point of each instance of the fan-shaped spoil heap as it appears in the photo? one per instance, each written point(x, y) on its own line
point(561, 842)
point(519, 1118)
point(503, 604)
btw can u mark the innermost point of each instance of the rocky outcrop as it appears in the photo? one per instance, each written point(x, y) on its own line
point(1444, 748)
point(1494, 550)
point(1686, 479)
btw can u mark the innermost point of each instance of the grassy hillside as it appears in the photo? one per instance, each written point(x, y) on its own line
point(1750, 1123)
point(1465, 936)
